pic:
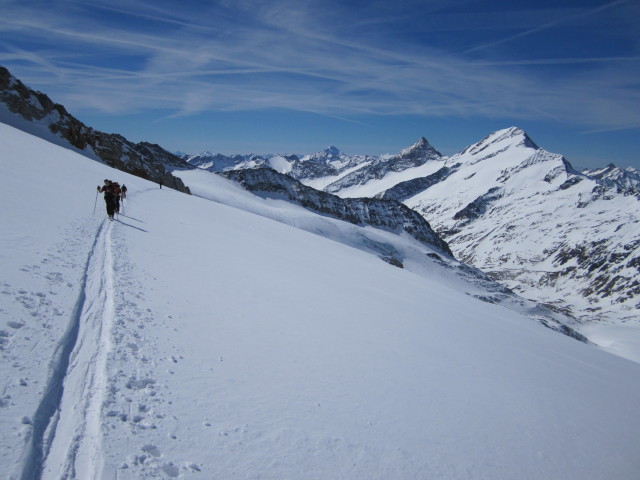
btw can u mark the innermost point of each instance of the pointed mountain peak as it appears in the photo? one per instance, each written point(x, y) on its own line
point(206, 153)
point(331, 150)
point(519, 136)
point(505, 138)
point(422, 147)
point(329, 153)
point(421, 143)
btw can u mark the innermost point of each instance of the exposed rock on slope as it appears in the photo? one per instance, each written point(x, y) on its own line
point(379, 213)
point(143, 159)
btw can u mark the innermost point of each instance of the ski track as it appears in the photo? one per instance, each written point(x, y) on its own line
point(102, 387)
point(66, 437)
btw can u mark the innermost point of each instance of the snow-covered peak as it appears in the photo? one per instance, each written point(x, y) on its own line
point(206, 153)
point(279, 163)
point(516, 134)
point(501, 140)
point(328, 154)
point(627, 180)
point(611, 171)
point(332, 151)
point(530, 219)
point(422, 148)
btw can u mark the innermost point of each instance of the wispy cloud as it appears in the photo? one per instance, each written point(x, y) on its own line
point(559, 20)
point(246, 55)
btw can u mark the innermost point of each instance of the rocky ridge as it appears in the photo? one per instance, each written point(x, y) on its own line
point(361, 211)
point(145, 160)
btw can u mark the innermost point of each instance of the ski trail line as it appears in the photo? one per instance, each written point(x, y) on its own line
point(66, 441)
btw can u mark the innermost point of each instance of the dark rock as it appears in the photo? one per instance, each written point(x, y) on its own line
point(143, 159)
point(360, 211)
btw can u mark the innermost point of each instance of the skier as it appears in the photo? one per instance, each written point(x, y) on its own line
point(116, 191)
point(109, 197)
point(123, 195)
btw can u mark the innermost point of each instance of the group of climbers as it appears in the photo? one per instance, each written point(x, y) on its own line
point(113, 195)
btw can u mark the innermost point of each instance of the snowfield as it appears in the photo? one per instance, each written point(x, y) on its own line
point(239, 337)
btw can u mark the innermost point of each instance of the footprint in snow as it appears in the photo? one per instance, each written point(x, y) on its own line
point(152, 450)
point(134, 384)
point(171, 469)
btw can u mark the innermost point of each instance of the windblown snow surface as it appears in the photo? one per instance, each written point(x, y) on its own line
point(200, 339)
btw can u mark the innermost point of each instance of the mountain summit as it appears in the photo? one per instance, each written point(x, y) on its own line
point(422, 148)
point(332, 151)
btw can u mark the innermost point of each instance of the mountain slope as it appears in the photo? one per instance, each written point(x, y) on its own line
point(525, 216)
point(377, 213)
point(35, 113)
point(193, 339)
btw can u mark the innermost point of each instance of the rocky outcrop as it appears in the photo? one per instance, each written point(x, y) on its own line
point(626, 182)
point(407, 189)
point(360, 211)
point(480, 205)
point(144, 160)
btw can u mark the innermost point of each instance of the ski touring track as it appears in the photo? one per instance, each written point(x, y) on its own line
point(66, 439)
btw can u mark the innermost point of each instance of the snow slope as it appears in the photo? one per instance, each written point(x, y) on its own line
point(195, 339)
point(562, 238)
point(524, 216)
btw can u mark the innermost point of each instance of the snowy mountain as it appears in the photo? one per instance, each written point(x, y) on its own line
point(227, 334)
point(625, 181)
point(525, 216)
point(563, 238)
point(328, 163)
point(528, 219)
point(330, 169)
point(34, 112)
point(415, 156)
point(221, 163)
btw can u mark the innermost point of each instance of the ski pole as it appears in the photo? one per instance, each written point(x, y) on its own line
point(95, 203)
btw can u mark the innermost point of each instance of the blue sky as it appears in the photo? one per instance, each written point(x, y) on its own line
point(294, 76)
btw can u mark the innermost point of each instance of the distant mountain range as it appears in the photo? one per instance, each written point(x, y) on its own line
point(567, 239)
